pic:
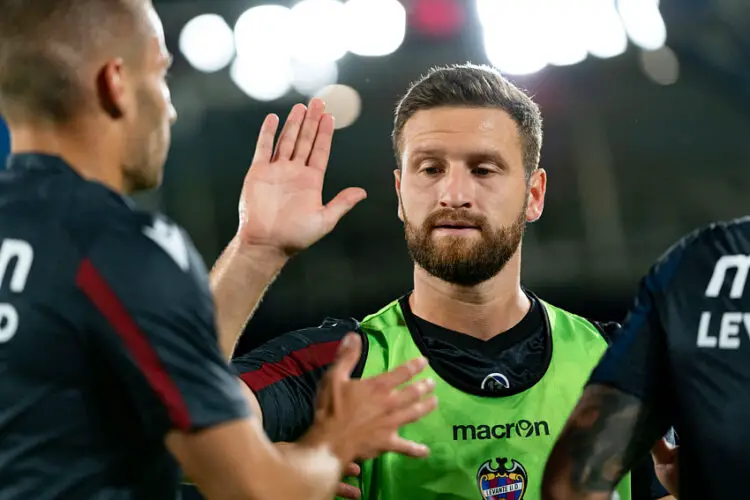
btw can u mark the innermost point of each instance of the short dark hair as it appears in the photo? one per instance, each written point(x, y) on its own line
point(45, 43)
point(474, 86)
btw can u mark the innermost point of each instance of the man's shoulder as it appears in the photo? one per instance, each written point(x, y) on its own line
point(607, 329)
point(717, 238)
point(330, 329)
point(302, 341)
point(569, 315)
point(308, 349)
point(146, 258)
point(132, 233)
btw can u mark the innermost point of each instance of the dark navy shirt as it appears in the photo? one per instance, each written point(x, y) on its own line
point(107, 341)
point(684, 351)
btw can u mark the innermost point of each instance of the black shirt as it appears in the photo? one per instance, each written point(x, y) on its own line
point(107, 341)
point(684, 351)
point(284, 373)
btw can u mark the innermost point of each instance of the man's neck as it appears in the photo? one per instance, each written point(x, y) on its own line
point(91, 159)
point(481, 311)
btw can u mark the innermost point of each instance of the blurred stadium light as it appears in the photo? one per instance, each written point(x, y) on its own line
point(439, 18)
point(643, 22)
point(263, 29)
point(263, 67)
point(277, 49)
point(343, 102)
point(606, 37)
point(524, 36)
point(207, 42)
point(309, 78)
point(262, 78)
point(374, 27)
point(660, 65)
point(317, 31)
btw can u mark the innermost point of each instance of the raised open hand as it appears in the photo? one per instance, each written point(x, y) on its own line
point(281, 205)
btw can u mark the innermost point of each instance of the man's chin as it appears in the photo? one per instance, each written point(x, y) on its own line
point(455, 246)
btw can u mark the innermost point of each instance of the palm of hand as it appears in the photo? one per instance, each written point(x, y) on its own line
point(281, 205)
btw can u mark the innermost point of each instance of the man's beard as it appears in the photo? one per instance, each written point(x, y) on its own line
point(148, 149)
point(465, 261)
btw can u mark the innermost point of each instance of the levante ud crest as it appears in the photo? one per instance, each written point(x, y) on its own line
point(507, 481)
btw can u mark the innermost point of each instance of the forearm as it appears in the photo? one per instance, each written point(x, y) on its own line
point(604, 436)
point(236, 461)
point(239, 280)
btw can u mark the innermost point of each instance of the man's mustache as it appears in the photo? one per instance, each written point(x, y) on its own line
point(454, 218)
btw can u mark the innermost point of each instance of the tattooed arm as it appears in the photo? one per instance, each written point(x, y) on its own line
point(607, 433)
point(627, 404)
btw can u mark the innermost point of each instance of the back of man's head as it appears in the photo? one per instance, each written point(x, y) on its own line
point(50, 51)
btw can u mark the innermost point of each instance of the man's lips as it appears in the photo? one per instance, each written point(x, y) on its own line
point(455, 225)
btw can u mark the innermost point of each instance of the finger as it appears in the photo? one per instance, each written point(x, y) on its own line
point(352, 470)
point(401, 374)
point(663, 452)
point(408, 448)
point(413, 412)
point(340, 205)
point(321, 149)
point(323, 396)
point(264, 146)
point(288, 137)
point(349, 353)
point(348, 491)
point(309, 131)
point(412, 393)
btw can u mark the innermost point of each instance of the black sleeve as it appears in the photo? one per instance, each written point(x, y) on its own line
point(285, 372)
point(152, 323)
point(636, 362)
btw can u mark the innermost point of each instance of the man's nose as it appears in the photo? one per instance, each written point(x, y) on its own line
point(457, 188)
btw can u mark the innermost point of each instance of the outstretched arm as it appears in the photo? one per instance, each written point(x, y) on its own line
point(607, 433)
point(281, 212)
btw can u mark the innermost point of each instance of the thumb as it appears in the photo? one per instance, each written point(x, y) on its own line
point(341, 204)
point(349, 353)
point(663, 452)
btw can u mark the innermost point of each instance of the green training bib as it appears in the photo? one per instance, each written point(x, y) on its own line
point(492, 448)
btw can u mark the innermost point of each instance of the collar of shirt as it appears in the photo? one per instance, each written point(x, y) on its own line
point(52, 163)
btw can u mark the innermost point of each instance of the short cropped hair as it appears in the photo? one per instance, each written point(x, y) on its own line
point(473, 86)
point(45, 43)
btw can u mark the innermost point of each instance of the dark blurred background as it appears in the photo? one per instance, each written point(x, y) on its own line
point(647, 118)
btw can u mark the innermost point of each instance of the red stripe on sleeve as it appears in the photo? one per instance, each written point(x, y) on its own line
point(292, 365)
point(104, 298)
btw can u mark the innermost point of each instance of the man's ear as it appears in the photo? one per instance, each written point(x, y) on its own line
point(537, 191)
point(111, 88)
point(397, 178)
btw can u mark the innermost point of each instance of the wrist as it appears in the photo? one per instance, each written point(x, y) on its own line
point(263, 257)
point(321, 439)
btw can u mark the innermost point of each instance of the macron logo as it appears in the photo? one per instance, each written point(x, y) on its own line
point(170, 239)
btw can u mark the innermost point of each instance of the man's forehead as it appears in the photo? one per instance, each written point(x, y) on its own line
point(450, 119)
point(458, 131)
